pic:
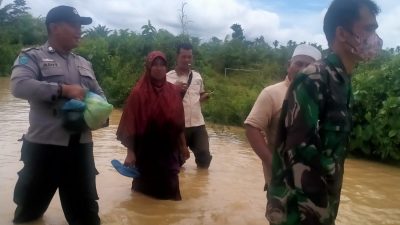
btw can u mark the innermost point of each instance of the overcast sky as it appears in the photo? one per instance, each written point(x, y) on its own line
point(282, 20)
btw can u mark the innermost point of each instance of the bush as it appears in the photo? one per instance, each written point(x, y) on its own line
point(8, 55)
point(235, 94)
point(376, 132)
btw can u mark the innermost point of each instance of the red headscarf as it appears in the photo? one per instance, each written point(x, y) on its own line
point(151, 100)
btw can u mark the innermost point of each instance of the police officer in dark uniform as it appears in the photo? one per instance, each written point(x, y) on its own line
point(53, 156)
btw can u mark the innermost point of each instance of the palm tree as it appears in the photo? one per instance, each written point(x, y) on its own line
point(98, 31)
point(260, 41)
point(149, 30)
point(291, 44)
point(275, 43)
point(13, 11)
point(398, 49)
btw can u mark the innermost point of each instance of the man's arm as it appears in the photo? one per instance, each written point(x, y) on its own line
point(258, 120)
point(25, 83)
point(97, 89)
point(258, 144)
point(204, 96)
point(305, 102)
point(85, 69)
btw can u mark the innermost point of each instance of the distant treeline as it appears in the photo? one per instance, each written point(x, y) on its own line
point(118, 56)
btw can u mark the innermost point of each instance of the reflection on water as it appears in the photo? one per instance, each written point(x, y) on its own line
point(230, 192)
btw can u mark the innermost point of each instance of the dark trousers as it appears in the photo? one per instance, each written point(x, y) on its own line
point(197, 140)
point(71, 169)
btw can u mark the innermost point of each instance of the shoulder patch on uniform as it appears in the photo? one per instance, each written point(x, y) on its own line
point(23, 59)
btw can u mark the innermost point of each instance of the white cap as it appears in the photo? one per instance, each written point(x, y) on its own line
point(308, 50)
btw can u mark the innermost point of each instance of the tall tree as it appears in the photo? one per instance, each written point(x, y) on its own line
point(183, 19)
point(275, 43)
point(98, 31)
point(260, 41)
point(318, 46)
point(291, 43)
point(149, 30)
point(5, 13)
point(13, 11)
point(237, 32)
point(216, 40)
point(19, 9)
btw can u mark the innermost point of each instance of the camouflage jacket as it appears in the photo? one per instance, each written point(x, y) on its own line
point(307, 166)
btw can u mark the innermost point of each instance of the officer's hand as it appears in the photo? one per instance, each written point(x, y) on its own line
point(183, 86)
point(73, 91)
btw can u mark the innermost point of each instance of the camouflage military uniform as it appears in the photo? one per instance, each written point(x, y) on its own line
point(307, 166)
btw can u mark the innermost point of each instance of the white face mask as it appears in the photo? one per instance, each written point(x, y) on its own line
point(369, 48)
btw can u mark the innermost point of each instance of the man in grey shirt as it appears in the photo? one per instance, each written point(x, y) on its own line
point(53, 156)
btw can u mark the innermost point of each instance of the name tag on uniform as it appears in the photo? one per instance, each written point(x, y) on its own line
point(49, 63)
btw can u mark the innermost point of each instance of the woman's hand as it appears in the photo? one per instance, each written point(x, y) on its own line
point(185, 153)
point(130, 158)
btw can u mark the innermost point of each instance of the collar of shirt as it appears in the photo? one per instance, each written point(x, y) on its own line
point(335, 63)
point(184, 74)
point(287, 81)
point(51, 50)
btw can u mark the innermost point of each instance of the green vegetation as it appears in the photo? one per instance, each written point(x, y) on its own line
point(376, 132)
point(118, 56)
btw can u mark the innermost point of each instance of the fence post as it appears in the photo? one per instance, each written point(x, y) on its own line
point(248, 70)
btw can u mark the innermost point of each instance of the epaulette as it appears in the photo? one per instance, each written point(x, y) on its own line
point(76, 54)
point(30, 48)
point(79, 56)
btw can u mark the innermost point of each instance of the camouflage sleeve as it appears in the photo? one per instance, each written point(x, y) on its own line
point(304, 103)
point(297, 150)
point(300, 191)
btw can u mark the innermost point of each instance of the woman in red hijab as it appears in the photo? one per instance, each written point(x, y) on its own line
point(151, 127)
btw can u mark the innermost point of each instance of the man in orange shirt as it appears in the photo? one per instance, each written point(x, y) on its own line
point(262, 122)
